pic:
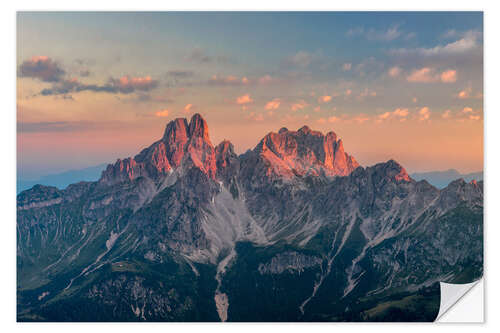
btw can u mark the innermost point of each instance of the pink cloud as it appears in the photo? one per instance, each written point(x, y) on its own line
point(127, 84)
point(347, 66)
point(162, 113)
point(394, 71)
point(398, 113)
point(325, 99)
point(449, 76)
point(273, 105)
point(424, 113)
point(299, 105)
point(446, 114)
point(188, 108)
point(245, 99)
point(425, 74)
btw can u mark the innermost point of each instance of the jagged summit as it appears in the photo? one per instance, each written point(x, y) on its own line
point(183, 143)
point(305, 151)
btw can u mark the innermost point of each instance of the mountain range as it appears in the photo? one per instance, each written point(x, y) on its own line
point(63, 179)
point(441, 179)
point(292, 230)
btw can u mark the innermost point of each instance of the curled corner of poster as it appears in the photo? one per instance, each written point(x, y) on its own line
point(461, 303)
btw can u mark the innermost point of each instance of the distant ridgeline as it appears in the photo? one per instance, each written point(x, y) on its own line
point(63, 179)
point(441, 179)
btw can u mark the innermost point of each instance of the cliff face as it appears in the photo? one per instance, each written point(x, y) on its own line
point(186, 231)
point(304, 152)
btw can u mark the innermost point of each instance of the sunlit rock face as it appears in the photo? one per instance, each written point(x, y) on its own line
point(304, 152)
point(183, 144)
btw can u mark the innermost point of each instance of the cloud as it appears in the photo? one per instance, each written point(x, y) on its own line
point(348, 92)
point(180, 73)
point(301, 59)
point(298, 105)
point(42, 68)
point(245, 99)
point(414, 100)
point(394, 71)
point(464, 94)
point(162, 113)
point(467, 110)
point(199, 56)
point(424, 113)
point(361, 118)
point(467, 93)
point(367, 93)
point(446, 114)
point(467, 43)
point(427, 74)
point(232, 80)
point(229, 80)
point(188, 108)
point(54, 126)
point(125, 85)
point(347, 66)
point(265, 79)
point(398, 113)
point(85, 73)
point(372, 34)
point(474, 117)
point(273, 105)
point(449, 76)
point(255, 117)
point(325, 99)
point(333, 119)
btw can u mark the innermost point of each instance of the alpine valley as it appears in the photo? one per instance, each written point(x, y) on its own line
point(293, 230)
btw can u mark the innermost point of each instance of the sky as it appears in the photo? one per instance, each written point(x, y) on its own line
point(94, 87)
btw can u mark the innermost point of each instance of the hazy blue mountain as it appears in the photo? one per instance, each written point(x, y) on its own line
point(63, 179)
point(441, 179)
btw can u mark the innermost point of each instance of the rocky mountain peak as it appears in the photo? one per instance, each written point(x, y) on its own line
point(305, 151)
point(182, 143)
point(198, 127)
point(393, 170)
point(176, 131)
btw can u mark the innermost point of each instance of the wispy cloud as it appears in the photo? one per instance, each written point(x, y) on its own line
point(125, 85)
point(428, 74)
point(200, 56)
point(53, 126)
point(468, 42)
point(394, 71)
point(386, 35)
point(298, 105)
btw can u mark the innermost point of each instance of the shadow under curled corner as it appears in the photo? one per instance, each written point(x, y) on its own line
point(461, 303)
